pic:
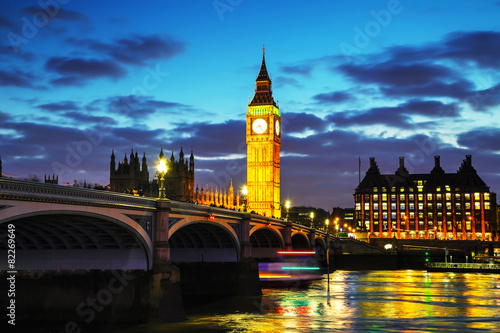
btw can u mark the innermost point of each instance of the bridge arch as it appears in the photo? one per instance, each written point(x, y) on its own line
point(265, 242)
point(300, 241)
point(202, 241)
point(65, 239)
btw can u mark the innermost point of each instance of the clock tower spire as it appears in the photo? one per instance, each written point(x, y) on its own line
point(263, 137)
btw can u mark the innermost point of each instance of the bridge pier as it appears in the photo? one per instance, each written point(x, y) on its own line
point(312, 239)
point(166, 295)
point(287, 236)
point(245, 244)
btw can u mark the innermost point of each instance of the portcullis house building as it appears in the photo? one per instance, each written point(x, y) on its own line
point(425, 206)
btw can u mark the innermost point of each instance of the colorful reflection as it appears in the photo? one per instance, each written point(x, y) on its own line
point(362, 301)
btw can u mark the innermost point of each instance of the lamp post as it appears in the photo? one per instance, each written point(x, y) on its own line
point(312, 219)
point(327, 222)
point(245, 193)
point(162, 170)
point(287, 206)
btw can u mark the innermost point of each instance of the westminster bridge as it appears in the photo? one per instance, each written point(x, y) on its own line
point(71, 228)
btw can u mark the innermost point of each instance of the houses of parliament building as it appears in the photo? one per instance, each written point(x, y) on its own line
point(132, 176)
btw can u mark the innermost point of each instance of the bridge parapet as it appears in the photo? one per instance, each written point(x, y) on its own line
point(28, 190)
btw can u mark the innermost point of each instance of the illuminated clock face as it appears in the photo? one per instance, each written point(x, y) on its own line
point(259, 126)
point(277, 127)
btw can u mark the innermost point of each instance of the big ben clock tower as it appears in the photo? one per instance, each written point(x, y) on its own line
point(263, 135)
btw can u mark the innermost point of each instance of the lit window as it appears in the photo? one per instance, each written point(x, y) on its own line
point(358, 206)
point(447, 187)
point(393, 215)
point(384, 197)
point(429, 196)
point(439, 197)
point(384, 205)
point(401, 197)
point(486, 196)
point(393, 206)
point(477, 196)
point(429, 205)
point(393, 189)
point(375, 206)
point(448, 205)
point(457, 197)
point(375, 197)
point(448, 196)
point(467, 205)
point(401, 189)
point(393, 198)
point(420, 206)
point(412, 215)
point(375, 189)
point(383, 189)
point(411, 206)
point(439, 205)
point(367, 206)
point(467, 196)
point(487, 205)
point(420, 197)
point(402, 206)
point(438, 189)
point(375, 215)
point(477, 205)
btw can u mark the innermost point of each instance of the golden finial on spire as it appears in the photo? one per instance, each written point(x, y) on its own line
point(263, 49)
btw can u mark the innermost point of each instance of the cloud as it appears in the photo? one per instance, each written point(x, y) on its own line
point(17, 78)
point(399, 116)
point(59, 106)
point(4, 116)
point(76, 71)
point(483, 138)
point(59, 14)
point(301, 69)
point(134, 50)
point(394, 74)
point(480, 47)
point(282, 81)
point(4, 22)
point(301, 122)
point(139, 107)
point(333, 97)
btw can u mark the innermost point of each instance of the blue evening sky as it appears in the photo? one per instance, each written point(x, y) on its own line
point(354, 79)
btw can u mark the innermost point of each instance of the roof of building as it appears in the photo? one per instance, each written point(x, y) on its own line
point(466, 178)
point(263, 93)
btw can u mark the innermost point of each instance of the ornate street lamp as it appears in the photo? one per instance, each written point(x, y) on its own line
point(327, 222)
point(162, 170)
point(245, 193)
point(312, 219)
point(287, 206)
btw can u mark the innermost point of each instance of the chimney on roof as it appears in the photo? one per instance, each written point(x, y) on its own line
point(436, 161)
point(401, 161)
point(468, 160)
point(372, 162)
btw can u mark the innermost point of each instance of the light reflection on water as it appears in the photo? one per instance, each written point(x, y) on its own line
point(369, 301)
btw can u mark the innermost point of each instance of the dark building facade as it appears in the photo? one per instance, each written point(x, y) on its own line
point(425, 206)
point(128, 176)
point(132, 176)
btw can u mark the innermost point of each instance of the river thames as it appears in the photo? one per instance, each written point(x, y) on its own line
point(358, 301)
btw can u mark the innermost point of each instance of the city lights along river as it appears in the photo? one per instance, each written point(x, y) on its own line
point(359, 301)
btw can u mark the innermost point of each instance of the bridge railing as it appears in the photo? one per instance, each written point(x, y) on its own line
point(23, 189)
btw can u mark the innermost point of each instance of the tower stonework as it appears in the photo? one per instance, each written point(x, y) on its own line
point(263, 138)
